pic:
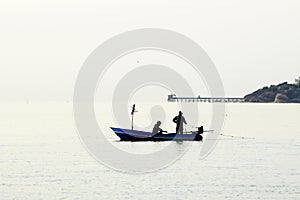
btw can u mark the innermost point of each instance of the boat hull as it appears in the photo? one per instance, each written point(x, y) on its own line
point(134, 135)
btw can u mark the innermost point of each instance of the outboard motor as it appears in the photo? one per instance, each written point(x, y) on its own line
point(199, 136)
point(200, 130)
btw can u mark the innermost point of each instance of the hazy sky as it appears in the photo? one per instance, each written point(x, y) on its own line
point(44, 43)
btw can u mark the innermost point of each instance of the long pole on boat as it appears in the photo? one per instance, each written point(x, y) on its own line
point(132, 113)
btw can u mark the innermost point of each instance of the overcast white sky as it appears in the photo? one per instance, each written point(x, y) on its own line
point(44, 43)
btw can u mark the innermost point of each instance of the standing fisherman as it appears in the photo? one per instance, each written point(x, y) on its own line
point(179, 120)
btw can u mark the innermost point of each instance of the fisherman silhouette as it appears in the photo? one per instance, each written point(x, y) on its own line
point(156, 128)
point(179, 120)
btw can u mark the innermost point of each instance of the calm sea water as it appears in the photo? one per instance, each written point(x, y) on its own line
point(42, 158)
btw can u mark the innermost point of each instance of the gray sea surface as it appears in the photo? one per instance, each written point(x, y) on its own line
point(42, 157)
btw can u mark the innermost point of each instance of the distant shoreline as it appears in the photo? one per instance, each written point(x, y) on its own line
point(281, 93)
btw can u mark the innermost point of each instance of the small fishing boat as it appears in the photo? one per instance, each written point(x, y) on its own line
point(135, 135)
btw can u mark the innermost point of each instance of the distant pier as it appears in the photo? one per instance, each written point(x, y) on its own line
point(174, 98)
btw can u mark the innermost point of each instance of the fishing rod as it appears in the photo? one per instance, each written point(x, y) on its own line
point(231, 136)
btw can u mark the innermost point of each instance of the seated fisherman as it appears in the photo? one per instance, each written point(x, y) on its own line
point(157, 129)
